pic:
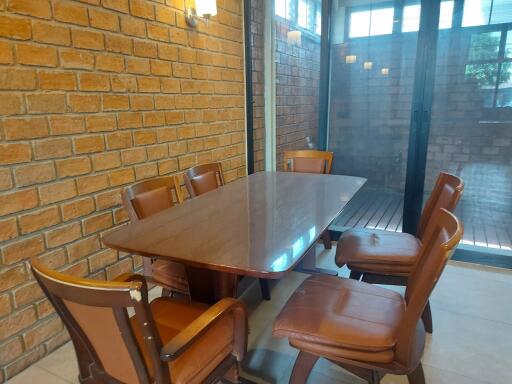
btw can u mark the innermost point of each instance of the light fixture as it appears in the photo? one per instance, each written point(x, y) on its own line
point(368, 65)
point(294, 38)
point(203, 9)
point(384, 71)
point(350, 59)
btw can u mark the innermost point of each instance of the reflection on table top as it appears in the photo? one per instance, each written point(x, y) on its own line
point(259, 225)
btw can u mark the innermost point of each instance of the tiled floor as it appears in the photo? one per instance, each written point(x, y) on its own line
point(472, 342)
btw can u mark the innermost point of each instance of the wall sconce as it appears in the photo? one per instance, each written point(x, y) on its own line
point(384, 71)
point(368, 65)
point(350, 59)
point(203, 9)
point(294, 38)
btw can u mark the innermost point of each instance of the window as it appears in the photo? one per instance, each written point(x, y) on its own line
point(373, 22)
point(303, 13)
point(484, 12)
point(490, 66)
point(411, 16)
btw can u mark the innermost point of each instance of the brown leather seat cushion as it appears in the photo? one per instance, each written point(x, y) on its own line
point(149, 203)
point(308, 165)
point(378, 251)
point(342, 317)
point(171, 316)
point(171, 274)
point(204, 183)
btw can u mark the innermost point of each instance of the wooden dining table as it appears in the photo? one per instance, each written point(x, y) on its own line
point(262, 225)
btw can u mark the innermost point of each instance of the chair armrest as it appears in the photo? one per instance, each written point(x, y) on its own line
point(183, 340)
point(126, 277)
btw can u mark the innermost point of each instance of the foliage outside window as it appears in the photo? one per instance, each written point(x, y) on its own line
point(305, 14)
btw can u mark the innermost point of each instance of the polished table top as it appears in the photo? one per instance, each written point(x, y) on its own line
point(259, 226)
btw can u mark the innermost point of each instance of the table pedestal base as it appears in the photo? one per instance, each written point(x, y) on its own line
point(308, 264)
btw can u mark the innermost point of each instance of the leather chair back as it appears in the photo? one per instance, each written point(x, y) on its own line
point(446, 194)
point(308, 161)
point(148, 197)
point(95, 314)
point(203, 178)
point(435, 252)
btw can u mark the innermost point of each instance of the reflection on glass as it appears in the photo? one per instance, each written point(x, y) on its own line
point(318, 27)
point(504, 95)
point(297, 249)
point(484, 46)
point(501, 11)
point(411, 16)
point(371, 23)
point(280, 8)
point(485, 75)
point(508, 45)
point(302, 19)
point(476, 12)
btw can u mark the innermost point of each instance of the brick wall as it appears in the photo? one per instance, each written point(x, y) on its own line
point(257, 48)
point(95, 95)
point(297, 87)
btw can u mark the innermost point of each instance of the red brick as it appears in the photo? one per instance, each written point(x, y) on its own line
point(70, 13)
point(42, 331)
point(46, 103)
point(116, 102)
point(15, 28)
point(6, 55)
point(97, 223)
point(73, 166)
point(167, 52)
point(17, 321)
point(88, 40)
point(83, 248)
point(11, 277)
point(56, 192)
point(77, 208)
point(116, 5)
point(40, 219)
point(63, 235)
point(90, 184)
point(156, 152)
point(84, 103)
point(52, 148)
point(101, 123)
point(88, 144)
point(167, 166)
point(66, 125)
point(164, 102)
point(73, 59)
point(23, 129)
point(8, 229)
point(50, 33)
point(80, 269)
point(106, 160)
point(103, 20)
point(161, 68)
point(123, 83)
point(144, 137)
point(22, 250)
point(141, 102)
point(5, 309)
point(17, 79)
point(110, 63)
point(119, 140)
point(5, 178)
point(170, 85)
point(174, 117)
point(18, 201)
point(148, 84)
point(133, 156)
point(94, 82)
point(118, 44)
point(102, 259)
point(133, 27)
point(146, 171)
point(138, 66)
point(141, 8)
point(31, 54)
point(12, 104)
point(108, 199)
point(158, 32)
point(26, 294)
point(35, 173)
point(121, 176)
point(164, 14)
point(129, 120)
point(64, 81)
point(144, 48)
point(119, 268)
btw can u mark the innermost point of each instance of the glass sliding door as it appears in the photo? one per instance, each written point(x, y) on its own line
point(373, 59)
point(471, 120)
point(297, 32)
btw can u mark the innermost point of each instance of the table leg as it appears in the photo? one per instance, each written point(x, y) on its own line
point(207, 286)
point(308, 264)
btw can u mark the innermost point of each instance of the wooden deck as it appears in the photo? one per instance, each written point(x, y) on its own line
point(377, 209)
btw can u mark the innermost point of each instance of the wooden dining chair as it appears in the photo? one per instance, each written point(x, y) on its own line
point(367, 329)
point(205, 178)
point(166, 341)
point(310, 161)
point(145, 199)
point(383, 257)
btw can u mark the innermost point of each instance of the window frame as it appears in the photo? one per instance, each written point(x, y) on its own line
point(294, 20)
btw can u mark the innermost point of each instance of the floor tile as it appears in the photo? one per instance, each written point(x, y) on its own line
point(36, 375)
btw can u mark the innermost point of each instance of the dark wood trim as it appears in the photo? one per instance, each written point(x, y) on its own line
point(248, 87)
point(325, 65)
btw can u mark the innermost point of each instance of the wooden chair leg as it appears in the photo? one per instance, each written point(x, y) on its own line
point(302, 368)
point(355, 275)
point(326, 238)
point(417, 376)
point(265, 289)
point(374, 378)
point(426, 317)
